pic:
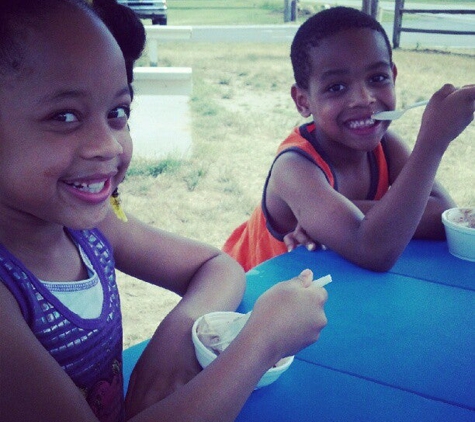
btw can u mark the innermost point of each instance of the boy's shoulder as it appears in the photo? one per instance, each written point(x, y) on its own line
point(300, 136)
point(394, 145)
point(298, 154)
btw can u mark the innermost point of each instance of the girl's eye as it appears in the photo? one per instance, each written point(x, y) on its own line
point(118, 117)
point(66, 117)
point(122, 112)
point(336, 88)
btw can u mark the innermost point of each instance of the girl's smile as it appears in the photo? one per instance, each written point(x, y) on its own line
point(93, 191)
point(69, 134)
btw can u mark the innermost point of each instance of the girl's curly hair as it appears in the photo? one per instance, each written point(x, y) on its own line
point(16, 16)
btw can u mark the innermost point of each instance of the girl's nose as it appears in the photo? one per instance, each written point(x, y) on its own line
point(103, 143)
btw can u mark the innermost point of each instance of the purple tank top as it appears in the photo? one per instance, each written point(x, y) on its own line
point(89, 350)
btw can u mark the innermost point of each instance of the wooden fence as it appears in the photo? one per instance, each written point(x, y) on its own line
point(370, 7)
point(400, 10)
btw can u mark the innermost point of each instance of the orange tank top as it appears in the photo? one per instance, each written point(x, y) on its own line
point(255, 240)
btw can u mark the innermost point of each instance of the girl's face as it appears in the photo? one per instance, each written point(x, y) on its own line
point(64, 141)
point(352, 78)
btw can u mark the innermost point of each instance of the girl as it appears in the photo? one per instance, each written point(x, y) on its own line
point(64, 148)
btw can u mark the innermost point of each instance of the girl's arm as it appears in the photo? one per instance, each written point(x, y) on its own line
point(285, 319)
point(207, 279)
point(34, 388)
point(171, 261)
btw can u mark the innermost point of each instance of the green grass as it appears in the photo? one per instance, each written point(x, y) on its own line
point(142, 167)
point(444, 2)
point(234, 12)
point(257, 12)
point(241, 110)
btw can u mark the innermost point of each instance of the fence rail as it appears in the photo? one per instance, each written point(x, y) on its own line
point(399, 10)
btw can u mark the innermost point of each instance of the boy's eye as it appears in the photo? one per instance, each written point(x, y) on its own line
point(379, 78)
point(336, 88)
point(66, 117)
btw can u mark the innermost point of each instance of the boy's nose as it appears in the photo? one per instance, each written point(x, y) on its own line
point(362, 95)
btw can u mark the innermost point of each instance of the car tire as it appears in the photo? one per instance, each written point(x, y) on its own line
point(161, 20)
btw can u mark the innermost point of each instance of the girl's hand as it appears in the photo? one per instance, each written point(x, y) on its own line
point(289, 316)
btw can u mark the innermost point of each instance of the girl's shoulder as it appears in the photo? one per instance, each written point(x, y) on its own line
point(93, 238)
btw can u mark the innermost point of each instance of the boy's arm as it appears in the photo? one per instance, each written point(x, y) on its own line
point(207, 279)
point(376, 239)
point(430, 225)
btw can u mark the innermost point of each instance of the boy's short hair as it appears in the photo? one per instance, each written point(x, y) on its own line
point(323, 25)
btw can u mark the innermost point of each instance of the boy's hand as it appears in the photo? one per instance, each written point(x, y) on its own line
point(448, 113)
point(300, 237)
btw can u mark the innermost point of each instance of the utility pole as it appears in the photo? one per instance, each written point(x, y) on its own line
point(286, 10)
point(293, 10)
point(290, 10)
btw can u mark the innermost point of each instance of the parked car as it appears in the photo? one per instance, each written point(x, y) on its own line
point(156, 10)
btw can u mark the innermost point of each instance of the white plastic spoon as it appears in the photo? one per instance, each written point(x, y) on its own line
point(323, 281)
point(396, 114)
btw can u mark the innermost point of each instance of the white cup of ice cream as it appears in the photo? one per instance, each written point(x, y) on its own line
point(211, 334)
point(459, 226)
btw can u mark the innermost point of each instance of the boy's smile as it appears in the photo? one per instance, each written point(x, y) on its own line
point(352, 78)
point(65, 144)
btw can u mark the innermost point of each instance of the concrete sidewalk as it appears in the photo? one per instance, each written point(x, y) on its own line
point(160, 122)
point(160, 125)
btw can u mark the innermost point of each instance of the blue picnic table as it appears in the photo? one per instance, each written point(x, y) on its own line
point(399, 346)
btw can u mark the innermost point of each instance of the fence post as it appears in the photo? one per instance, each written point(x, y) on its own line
point(370, 7)
point(399, 5)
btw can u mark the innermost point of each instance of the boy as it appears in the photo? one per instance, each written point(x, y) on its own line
point(330, 180)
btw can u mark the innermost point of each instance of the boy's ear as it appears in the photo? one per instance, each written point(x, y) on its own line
point(300, 98)
point(394, 69)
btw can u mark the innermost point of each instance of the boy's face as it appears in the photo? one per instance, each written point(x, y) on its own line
point(64, 141)
point(352, 78)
